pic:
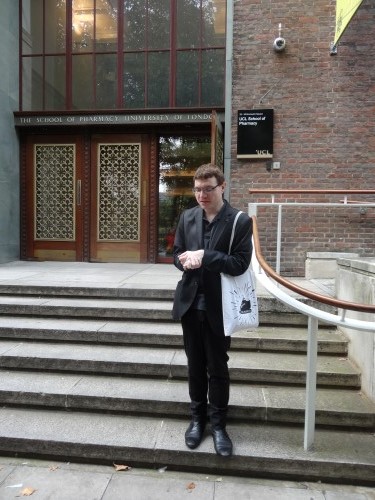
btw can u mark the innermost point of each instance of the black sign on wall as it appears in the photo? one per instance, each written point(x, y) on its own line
point(255, 134)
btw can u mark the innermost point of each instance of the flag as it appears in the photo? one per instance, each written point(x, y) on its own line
point(345, 10)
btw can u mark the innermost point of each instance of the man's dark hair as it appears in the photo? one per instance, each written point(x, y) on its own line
point(209, 170)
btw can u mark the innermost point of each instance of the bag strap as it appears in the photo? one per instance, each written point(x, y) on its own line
point(233, 228)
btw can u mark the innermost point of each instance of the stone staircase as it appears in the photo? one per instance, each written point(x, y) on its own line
point(99, 375)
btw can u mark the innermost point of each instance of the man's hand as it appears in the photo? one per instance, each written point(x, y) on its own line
point(191, 259)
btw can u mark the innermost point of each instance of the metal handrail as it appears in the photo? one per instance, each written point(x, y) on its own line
point(342, 304)
point(263, 273)
point(280, 205)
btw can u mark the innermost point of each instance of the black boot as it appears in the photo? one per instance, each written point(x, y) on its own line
point(222, 442)
point(194, 433)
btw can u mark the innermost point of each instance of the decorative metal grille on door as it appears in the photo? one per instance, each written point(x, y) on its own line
point(119, 192)
point(54, 191)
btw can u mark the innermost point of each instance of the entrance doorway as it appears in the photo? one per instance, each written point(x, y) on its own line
point(179, 157)
point(87, 203)
point(116, 196)
point(120, 206)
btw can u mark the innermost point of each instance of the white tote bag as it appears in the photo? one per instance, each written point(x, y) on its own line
point(240, 305)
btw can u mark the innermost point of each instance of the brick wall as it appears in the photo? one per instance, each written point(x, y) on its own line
point(324, 121)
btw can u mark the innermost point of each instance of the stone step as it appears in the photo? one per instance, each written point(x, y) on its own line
point(88, 307)
point(147, 291)
point(256, 367)
point(337, 408)
point(162, 333)
point(259, 449)
point(271, 311)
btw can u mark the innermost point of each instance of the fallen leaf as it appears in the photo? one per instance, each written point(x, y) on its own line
point(53, 468)
point(119, 467)
point(27, 492)
point(190, 486)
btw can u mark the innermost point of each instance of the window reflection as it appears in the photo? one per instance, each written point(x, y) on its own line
point(32, 90)
point(158, 24)
point(214, 19)
point(82, 25)
point(171, 54)
point(212, 79)
point(32, 26)
point(179, 157)
point(82, 79)
point(106, 78)
point(55, 82)
point(94, 25)
point(134, 24)
point(134, 80)
point(187, 78)
point(158, 80)
point(55, 36)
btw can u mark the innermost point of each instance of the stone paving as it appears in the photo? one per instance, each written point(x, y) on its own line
point(49, 480)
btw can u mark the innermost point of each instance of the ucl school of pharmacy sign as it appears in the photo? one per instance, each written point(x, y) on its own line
point(110, 119)
point(255, 134)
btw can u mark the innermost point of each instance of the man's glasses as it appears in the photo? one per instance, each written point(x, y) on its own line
point(205, 190)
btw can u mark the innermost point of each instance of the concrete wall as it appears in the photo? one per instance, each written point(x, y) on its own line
point(324, 127)
point(323, 265)
point(9, 149)
point(356, 283)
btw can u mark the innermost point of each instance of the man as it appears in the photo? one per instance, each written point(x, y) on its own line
point(201, 251)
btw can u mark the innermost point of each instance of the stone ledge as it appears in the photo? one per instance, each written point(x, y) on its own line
point(324, 264)
point(363, 264)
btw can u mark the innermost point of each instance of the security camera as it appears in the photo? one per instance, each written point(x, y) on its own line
point(279, 44)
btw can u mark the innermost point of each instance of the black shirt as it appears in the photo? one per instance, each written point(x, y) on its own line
point(208, 229)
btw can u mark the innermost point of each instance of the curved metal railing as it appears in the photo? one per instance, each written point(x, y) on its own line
point(265, 275)
point(303, 201)
point(342, 304)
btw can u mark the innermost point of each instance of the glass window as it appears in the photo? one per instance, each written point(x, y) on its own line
point(55, 82)
point(213, 64)
point(158, 24)
point(106, 79)
point(134, 24)
point(188, 24)
point(82, 25)
point(106, 15)
point(134, 80)
point(55, 35)
point(32, 89)
point(82, 82)
point(214, 19)
point(159, 60)
point(158, 80)
point(187, 79)
point(32, 26)
point(179, 157)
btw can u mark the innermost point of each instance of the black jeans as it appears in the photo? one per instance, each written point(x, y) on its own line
point(207, 360)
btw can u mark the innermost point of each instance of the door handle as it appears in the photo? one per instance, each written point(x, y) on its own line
point(78, 193)
point(144, 194)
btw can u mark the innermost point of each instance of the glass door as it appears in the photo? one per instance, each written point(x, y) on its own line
point(179, 157)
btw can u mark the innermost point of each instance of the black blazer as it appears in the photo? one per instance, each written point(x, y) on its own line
point(215, 260)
